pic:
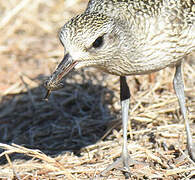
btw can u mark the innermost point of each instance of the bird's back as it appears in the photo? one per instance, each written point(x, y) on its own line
point(116, 8)
point(179, 14)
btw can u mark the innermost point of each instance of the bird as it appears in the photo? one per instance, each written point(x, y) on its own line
point(130, 37)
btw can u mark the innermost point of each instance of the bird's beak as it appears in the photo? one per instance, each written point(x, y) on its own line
point(53, 83)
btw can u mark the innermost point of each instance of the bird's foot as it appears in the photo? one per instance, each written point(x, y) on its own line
point(123, 164)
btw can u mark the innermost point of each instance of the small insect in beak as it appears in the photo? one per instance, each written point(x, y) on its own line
point(53, 83)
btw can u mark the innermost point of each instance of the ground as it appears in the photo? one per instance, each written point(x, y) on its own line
point(77, 132)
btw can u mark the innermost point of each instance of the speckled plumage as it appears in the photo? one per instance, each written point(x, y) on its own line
point(141, 36)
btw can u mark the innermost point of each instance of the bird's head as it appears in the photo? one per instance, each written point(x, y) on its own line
point(90, 39)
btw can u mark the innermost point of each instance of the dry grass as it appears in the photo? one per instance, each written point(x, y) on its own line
point(77, 133)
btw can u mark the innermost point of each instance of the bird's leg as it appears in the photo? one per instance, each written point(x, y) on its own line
point(179, 89)
point(124, 97)
point(124, 160)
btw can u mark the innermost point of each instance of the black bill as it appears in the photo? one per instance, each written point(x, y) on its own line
point(53, 83)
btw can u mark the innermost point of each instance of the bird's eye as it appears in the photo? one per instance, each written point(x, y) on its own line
point(98, 42)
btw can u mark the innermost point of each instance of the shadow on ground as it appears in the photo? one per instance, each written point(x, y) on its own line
point(73, 117)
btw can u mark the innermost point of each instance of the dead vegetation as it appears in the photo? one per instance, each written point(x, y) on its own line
point(77, 133)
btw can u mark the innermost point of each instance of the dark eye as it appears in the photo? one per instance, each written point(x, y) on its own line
point(98, 42)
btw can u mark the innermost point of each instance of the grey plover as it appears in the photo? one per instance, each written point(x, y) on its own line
point(130, 37)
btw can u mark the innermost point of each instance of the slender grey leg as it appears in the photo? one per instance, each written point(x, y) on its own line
point(125, 96)
point(124, 159)
point(179, 89)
